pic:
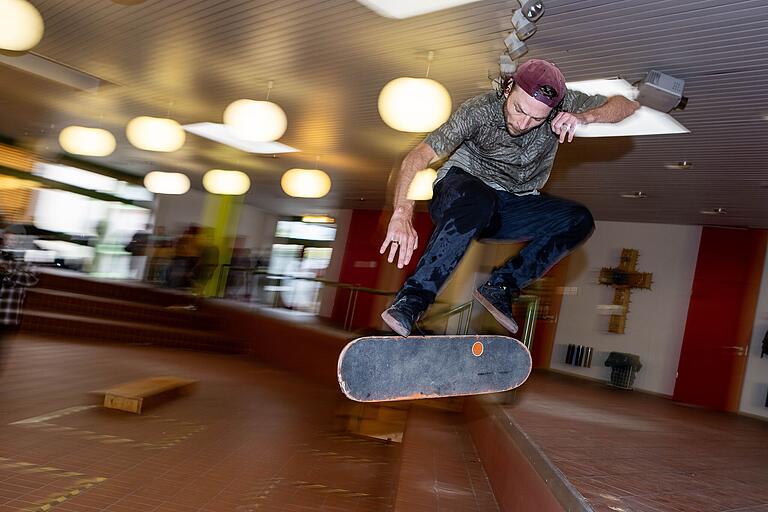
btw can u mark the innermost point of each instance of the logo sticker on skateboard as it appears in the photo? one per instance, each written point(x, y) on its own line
point(477, 349)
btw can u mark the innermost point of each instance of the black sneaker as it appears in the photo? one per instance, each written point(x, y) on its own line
point(401, 316)
point(497, 299)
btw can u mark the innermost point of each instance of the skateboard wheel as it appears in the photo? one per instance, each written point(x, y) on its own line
point(477, 349)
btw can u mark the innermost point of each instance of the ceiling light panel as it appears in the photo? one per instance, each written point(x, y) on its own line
point(52, 70)
point(401, 9)
point(645, 121)
point(223, 135)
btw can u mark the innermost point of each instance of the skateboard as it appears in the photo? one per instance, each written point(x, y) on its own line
point(387, 368)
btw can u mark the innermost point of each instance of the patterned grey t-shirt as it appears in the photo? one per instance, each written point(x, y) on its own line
point(477, 139)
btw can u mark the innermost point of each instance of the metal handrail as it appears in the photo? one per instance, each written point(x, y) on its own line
point(354, 290)
point(327, 282)
point(528, 327)
point(456, 310)
point(450, 312)
point(464, 320)
point(335, 284)
point(530, 318)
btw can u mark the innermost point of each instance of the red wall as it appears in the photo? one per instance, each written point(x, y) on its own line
point(364, 266)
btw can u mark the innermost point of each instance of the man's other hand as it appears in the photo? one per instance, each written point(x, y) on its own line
point(564, 125)
point(400, 236)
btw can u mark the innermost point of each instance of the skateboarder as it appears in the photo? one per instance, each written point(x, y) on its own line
point(501, 147)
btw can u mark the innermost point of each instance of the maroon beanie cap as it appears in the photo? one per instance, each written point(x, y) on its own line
point(541, 80)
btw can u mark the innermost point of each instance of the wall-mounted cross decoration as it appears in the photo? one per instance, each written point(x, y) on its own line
point(624, 279)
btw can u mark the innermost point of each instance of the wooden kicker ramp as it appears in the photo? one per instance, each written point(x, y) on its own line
point(135, 395)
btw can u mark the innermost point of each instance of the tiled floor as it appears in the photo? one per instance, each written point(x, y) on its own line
point(249, 438)
point(632, 452)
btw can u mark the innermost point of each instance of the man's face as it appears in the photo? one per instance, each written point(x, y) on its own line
point(522, 112)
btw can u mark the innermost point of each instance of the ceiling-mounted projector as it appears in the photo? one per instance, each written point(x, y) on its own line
point(662, 92)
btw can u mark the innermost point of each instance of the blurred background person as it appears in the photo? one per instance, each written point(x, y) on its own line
point(15, 278)
point(240, 270)
point(206, 262)
point(185, 257)
point(138, 247)
point(159, 257)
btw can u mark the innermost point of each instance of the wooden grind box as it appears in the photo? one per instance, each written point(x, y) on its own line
point(132, 396)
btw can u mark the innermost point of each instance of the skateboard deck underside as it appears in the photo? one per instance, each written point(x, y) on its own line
point(383, 368)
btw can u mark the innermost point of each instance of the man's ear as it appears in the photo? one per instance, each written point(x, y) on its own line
point(508, 89)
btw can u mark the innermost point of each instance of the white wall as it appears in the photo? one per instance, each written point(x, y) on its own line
point(756, 377)
point(332, 273)
point(258, 228)
point(177, 212)
point(656, 320)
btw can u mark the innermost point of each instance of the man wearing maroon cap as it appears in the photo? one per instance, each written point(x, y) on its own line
point(500, 147)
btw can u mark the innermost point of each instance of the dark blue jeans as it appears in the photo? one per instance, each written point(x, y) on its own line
point(464, 208)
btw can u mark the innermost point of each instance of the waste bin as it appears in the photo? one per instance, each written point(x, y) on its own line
point(623, 369)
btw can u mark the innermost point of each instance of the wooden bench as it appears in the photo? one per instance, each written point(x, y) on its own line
point(132, 396)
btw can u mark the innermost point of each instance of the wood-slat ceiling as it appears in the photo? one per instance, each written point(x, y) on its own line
point(329, 60)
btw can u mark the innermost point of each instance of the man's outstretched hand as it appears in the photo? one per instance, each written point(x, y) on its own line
point(402, 236)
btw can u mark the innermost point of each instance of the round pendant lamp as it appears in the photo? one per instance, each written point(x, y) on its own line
point(415, 105)
point(171, 183)
point(309, 183)
point(420, 188)
point(155, 134)
point(257, 121)
point(224, 182)
point(21, 25)
point(80, 140)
